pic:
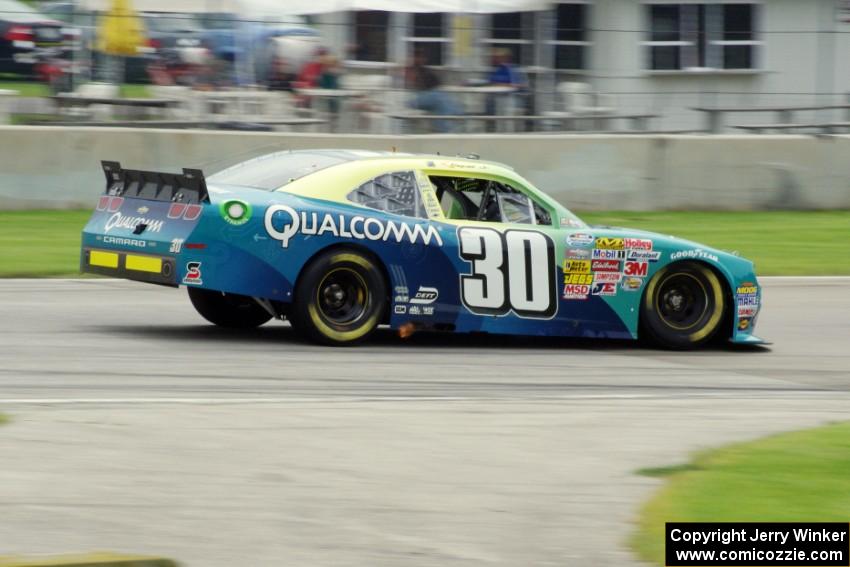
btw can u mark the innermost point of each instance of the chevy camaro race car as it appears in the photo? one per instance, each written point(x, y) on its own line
point(341, 241)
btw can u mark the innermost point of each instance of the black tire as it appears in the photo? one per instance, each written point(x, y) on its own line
point(228, 309)
point(340, 298)
point(683, 306)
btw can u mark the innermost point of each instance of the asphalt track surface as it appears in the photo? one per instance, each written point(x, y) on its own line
point(136, 427)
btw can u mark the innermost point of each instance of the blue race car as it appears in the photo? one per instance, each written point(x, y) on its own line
point(341, 241)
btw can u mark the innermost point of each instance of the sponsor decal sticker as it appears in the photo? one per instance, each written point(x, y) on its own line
point(605, 266)
point(402, 295)
point(577, 254)
point(690, 254)
point(235, 212)
point(142, 210)
point(573, 291)
point(608, 254)
point(400, 309)
point(193, 274)
point(607, 243)
point(578, 279)
point(744, 323)
point(747, 299)
point(605, 288)
point(580, 239)
point(577, 266)
point(118, 220)
point(124, 241)
point(424, 296)
point(636, 268)
point(631, 283)
point(283, 222)
point(176, 246)
point(607, 277)
point(643, 255)
point(638, 243)
point(415, 310)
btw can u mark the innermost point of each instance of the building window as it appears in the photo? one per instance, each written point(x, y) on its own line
point(513, 31)
point(702, 36)
point(571, 37)
point(370, 35)
point(428, 36)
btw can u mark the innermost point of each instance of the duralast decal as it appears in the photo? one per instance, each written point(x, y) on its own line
point(283, 222)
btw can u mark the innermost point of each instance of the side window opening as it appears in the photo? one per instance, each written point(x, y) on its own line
point(396, 193)
point(487, 200)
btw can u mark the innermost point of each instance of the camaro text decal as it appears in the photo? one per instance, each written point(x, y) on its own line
point(283, 222)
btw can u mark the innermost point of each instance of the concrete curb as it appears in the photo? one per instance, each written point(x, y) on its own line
point(100, 559)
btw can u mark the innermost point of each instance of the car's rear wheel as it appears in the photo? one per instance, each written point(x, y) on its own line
point(228, 309)
point(340, 298)
point(683, 306)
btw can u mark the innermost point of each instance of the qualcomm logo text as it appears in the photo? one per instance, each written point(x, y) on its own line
point(121, 221)
point(283, 222)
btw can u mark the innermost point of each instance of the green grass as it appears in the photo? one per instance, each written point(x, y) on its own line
point(40, 243)
point(4, 419)
point(800, 476)
point(780, 243)
point(25, 88)
point(46, 243)
point(34, 88)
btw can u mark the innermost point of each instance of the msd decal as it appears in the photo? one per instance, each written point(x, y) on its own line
point(193, 274)
point(283, 222)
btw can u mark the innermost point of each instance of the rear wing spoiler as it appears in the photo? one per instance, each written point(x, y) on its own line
point(188, 187)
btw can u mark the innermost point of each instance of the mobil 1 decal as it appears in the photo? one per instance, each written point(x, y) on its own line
point(509, 271)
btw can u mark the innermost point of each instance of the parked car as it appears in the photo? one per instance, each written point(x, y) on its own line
point(252, 46)
point(167, 36)
point(27, 37)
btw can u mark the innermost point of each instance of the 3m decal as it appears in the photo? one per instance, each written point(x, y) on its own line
point(193, 274)
point(283, 222)
point(510, 271)
point(636, 269)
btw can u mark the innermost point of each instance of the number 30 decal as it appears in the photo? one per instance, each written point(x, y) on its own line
point(511, 271)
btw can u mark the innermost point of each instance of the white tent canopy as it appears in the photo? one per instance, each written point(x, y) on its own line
point(275, 8)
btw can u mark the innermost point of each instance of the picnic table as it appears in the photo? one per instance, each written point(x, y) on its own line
point(65, 99)
point(333, 110)
point(784, 114)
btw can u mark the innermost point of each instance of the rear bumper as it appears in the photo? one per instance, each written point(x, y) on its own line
point(129, 265)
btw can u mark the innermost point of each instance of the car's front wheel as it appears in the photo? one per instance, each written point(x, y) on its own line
point(683, 306)
point(228, 309)
point(340, 298)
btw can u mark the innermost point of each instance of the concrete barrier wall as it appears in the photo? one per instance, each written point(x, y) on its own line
point(51, 167)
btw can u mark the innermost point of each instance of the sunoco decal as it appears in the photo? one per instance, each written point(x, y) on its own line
point(283, 222)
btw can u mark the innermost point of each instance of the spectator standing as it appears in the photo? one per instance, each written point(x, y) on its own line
point(504, 73)
point(427, 96)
